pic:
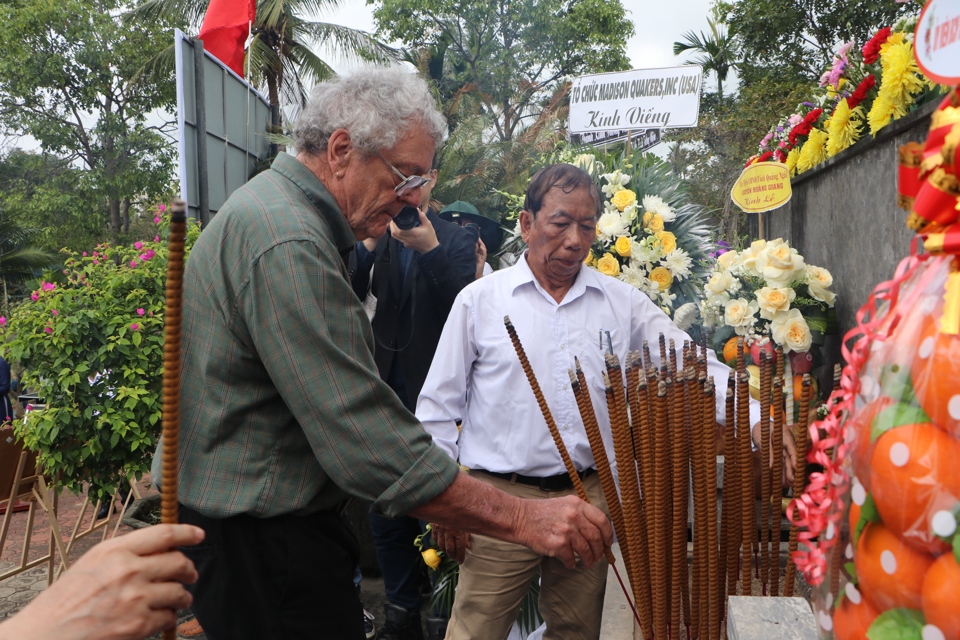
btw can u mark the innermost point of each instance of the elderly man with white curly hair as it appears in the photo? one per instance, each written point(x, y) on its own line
point(284, 416)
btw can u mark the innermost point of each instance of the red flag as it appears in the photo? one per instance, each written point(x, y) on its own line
point(225, 29)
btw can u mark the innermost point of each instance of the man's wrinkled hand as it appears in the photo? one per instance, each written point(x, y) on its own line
point(452, 542)
point(565, 528)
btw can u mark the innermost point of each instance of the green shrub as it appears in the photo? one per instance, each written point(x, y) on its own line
point(90, 342)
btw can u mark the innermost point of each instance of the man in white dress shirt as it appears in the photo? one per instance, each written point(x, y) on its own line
point(559, 308)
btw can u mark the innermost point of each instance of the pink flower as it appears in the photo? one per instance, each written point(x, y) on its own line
point(34, 296)
point(96, 255)
point(156, 238)
point(95, 261)
point(133, 263)
point(3, 320)
point(48, 329)
point(162, 208)
point(84, 254)
point(55, 312)
point(156, 220)
point(135, 326)
point(140, 311)
point(149, 254)
point(48, 286)
point(138, 244)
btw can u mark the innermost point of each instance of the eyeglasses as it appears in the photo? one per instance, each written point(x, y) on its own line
point(407, 183)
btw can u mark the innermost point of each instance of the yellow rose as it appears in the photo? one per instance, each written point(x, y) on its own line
point(431, 557)
point(623, 199)
point(773, 300)
point(608, 265)
point(668, 241)
point(663, 278)
point(653, 221)
point(590, 259)
point(728, 260)
point(738, 313)
point(778, 263)
point(623, 246)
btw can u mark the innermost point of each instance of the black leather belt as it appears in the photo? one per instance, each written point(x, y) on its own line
point(560, 482)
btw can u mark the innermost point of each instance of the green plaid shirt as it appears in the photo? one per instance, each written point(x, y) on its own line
point(282, 410)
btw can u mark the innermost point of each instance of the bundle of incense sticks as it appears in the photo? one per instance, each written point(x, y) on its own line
point(662, 417)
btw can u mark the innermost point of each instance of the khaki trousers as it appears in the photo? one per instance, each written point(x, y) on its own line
point(496, 576)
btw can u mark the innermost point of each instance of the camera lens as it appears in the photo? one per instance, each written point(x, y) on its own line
point(408, 218)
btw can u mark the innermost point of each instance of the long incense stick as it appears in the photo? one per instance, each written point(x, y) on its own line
point(775, 477)
point(748, 509)
point(172, 326)
point(766, 491)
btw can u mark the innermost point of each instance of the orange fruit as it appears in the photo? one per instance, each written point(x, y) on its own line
point(891, 574)
point(730, 350)
point(861, 423)
point(852, 619)
point(936, 377)
point(853, 517)
point(914, 475)
point(940, 590)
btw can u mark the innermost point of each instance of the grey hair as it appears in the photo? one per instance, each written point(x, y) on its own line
point(378, 106)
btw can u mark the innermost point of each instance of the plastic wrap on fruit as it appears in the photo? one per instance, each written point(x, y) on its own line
point(880, 523)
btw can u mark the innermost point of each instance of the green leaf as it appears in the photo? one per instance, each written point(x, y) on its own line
point(897, 624)
point(137, 338)
point(956, 546)
point(868, 513)
point(895, 416)
point(851, 572)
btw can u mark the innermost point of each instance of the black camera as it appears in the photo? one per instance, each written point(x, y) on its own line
point(408, 218)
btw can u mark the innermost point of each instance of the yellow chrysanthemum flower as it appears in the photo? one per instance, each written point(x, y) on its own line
point(832, 90)
point(590, 259)
point(792, 157)
point(608, 265)
point(843, 128)
point(668, 241)
point(623, 246)
point(814, 151)
point(900, 73)
point(895, 38)
point(623, 199)
point(663, 278)
point(653, 221)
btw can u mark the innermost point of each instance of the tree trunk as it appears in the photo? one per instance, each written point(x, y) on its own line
point(126, 215)
point(115, 222)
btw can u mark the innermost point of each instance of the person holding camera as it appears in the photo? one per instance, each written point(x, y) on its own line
point(419, 267)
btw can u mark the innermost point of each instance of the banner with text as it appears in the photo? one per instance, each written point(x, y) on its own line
point(639, 99)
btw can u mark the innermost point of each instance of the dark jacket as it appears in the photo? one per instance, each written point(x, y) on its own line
point(408, 321)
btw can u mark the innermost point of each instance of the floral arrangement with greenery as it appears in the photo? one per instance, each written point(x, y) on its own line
point(768, 292)
point(448, 574)
point(90, 342)
point(862, 92)
point(650, 235)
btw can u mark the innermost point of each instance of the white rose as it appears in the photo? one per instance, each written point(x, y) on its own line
point(739, 312)
point(728, 260)
point(819, 276)
point(790, 331)
point(778, 263)
point(773, 300)
point(821, 294)
point(719, 282)
point(610, 225)
point(748, 258)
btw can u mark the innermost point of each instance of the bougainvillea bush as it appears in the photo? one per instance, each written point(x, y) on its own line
point(90, 343)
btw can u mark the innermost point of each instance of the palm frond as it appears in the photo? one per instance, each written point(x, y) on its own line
point(351, 44)
point(190, 12)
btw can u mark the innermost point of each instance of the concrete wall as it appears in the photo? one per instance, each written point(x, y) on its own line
point(844, 215)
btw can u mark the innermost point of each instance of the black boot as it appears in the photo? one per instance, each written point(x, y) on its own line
point(436, 628)
point(400, 624)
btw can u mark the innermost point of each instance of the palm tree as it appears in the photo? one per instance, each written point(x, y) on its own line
point(281, 56)
point(718, 52)
point(18, 260)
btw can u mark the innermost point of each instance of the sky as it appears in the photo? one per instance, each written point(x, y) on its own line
point(658, 24)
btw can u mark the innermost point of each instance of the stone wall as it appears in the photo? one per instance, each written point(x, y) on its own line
point(844, 215)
